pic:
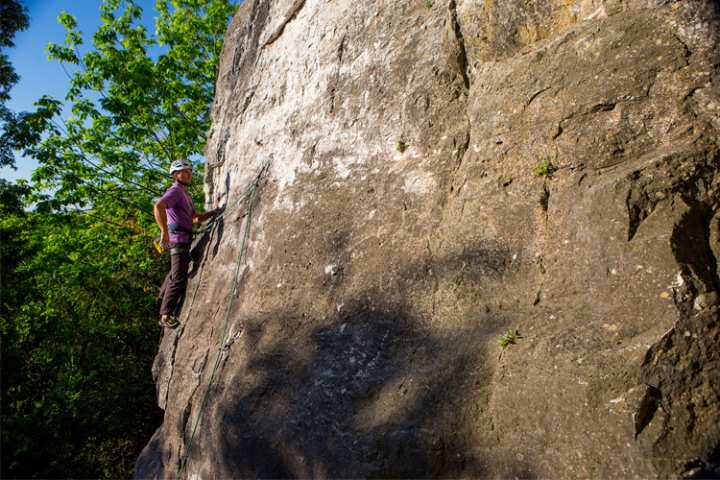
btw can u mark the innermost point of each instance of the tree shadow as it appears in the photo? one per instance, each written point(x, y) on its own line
point(371, 392)
point(370, 395)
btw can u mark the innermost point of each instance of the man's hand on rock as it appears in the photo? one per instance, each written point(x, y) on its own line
point(217, 211)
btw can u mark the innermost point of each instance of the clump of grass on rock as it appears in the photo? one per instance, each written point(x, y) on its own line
point(509, 338)
point(544, 169)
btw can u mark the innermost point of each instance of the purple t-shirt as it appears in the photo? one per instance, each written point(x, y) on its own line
point(180, 211)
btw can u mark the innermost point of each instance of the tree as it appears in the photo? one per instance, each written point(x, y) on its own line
point(131, 114)
point(78, 311)
point(77, 345)
point(13, 18)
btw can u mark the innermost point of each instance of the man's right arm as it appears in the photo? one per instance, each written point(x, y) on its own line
point(161, 219)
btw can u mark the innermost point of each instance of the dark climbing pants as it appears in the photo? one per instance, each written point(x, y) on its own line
point(172, 292)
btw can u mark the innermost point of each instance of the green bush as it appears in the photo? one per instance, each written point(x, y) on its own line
point(79, 337)
point(544, 169)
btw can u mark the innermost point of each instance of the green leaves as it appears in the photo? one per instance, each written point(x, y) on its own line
point(544, 168)
point(78, 331)
point(508, 338)
point(13, 18)
point(131, 114)
point(79, 275)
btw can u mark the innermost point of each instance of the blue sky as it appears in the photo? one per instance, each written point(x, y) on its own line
point(38, 75)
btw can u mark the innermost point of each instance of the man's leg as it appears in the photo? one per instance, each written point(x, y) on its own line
point(163, 290)
point(175, 288)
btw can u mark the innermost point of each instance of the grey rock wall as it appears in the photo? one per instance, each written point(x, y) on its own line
point(403, 226)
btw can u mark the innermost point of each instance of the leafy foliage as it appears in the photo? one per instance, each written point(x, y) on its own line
point(13, 18)
point(75, 353)
point(130, 114)
point(79, 275)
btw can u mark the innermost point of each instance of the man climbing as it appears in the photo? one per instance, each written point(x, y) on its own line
point(175, 214)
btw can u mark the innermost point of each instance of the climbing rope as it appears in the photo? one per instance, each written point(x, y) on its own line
point(216, 219)
point(229, 208)
point(249, 194)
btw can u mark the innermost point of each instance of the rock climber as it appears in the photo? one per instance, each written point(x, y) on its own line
point(175, 214)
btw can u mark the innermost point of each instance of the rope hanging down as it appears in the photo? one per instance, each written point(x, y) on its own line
point(249, 194)
point(229, 208)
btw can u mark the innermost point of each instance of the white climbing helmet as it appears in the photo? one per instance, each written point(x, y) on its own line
point(179, 165)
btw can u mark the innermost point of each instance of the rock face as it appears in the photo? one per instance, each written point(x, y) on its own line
point(441, 172)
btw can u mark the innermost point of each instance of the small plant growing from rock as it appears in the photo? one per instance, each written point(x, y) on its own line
point(428, 4)
point(401, 145)
point(544, 169)
point(508, 338)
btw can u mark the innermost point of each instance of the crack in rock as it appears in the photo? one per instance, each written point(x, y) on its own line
point(289, 17)
point(462, 58)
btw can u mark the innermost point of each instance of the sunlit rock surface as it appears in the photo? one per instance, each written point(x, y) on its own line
point(441, 172)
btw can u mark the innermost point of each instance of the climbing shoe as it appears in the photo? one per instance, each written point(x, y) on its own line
point(169, 321)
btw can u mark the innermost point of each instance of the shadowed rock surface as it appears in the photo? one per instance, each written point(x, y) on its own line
point(406, 221)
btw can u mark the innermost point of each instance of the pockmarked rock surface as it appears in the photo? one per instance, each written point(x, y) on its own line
point(441, 172)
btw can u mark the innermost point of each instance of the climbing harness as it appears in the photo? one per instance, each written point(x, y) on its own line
point(174, 227)
point(250, 195)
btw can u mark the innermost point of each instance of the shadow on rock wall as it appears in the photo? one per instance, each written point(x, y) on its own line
point(358, 398)
point(371, 395)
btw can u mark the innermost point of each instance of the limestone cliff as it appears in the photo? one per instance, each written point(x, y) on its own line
point(441, 172)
